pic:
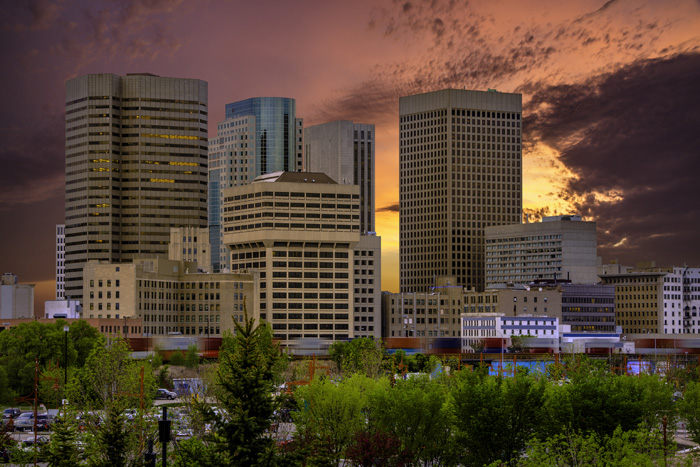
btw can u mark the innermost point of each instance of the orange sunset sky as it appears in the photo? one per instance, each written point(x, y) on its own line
point(610, 93)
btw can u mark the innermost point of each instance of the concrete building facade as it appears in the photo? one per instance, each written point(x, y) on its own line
point(559, 247)
point(460, 162)
point(60, 261)
point(259, 135)
point(588, 307)
point(16, 300)
point(191, 244)
point(170, 297)
point(344, 151)
point(136, 165)
point(300, 231)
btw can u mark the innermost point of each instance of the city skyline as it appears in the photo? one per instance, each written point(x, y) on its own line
point(607, 126)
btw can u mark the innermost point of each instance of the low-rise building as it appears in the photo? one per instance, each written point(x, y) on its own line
point(171, 297)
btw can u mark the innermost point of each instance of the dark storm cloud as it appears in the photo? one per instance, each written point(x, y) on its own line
point(630, 138)
point(389, 208)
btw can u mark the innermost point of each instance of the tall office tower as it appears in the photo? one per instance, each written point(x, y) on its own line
point(460, 162)
point(136, 165)
point(60, 261)
point(344, 151)
point(300, 231)
point(259, 135)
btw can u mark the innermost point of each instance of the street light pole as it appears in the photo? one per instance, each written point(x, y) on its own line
point(65, 355)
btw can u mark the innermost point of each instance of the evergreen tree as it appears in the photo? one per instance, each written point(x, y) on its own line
point(246, 378)
point(62, 451)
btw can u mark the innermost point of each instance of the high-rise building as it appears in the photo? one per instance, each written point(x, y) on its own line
point(559, 247)
point(136, 165)
point(344, 151)
point(460, 161)
point(300, 231)
point(16, 300)
point(260, 135)
point(60, 261)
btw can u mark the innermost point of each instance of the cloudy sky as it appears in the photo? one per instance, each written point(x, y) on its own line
point(611, 93)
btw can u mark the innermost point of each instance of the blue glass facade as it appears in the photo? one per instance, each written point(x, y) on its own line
point(274, 131)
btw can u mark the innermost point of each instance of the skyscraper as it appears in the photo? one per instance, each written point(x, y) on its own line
point(136, 165)
point(460, 162)
point(259, 135)
point(344, 151)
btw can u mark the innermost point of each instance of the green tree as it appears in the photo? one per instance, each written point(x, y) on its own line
point(415, 413)
point(115, 443)
point(494, 416)
point(62, 450)
point(246, 379)
point(192, 356)
point(177, 358)
point(689, 410)
point(363, 355)
point(332, 414)
point(22, 344)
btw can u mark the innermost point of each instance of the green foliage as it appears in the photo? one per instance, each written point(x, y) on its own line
point(495, 417)
point(634, 448)
point(331, 414)
point(192, 356)
point(22, 344)
point(415, 414)
point(111, 377)
point(602, 402)
point(689, 410)
point(62, 450)
point(163, 379)
point(7, 395)
point(246, 378)
point(115, 444)
point(196, 452)
point(361, 355)
point(177, 358)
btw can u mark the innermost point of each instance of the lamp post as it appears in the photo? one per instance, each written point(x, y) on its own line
point(65, 355)
point(502, 344)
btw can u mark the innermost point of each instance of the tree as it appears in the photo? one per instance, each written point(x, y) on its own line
point(495, 417)
point(689, 410)
point(192, 356)
point(22, 344)
point(114, 443)
point(332, 414)
point(246, 379)
point(414, 413)
point(363, 355)
point(177, 359)
point(62, 450)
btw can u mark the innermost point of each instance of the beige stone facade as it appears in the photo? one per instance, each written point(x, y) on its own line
point(191, 244)
point(16, 300)
point(299, 231)
point(169, 296)
point(437, 313)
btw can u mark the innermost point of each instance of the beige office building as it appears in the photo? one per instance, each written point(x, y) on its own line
point(460, 162)
point(16, 300)
point(559, 247)
point(191, 244)
point(437, 313)
point(171, 297)
point(136, 165)
point(299, 230)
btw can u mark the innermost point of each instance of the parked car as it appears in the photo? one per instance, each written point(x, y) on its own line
point(44, 421)
point(165, 394)
point(11, 413)
point(25, 421)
